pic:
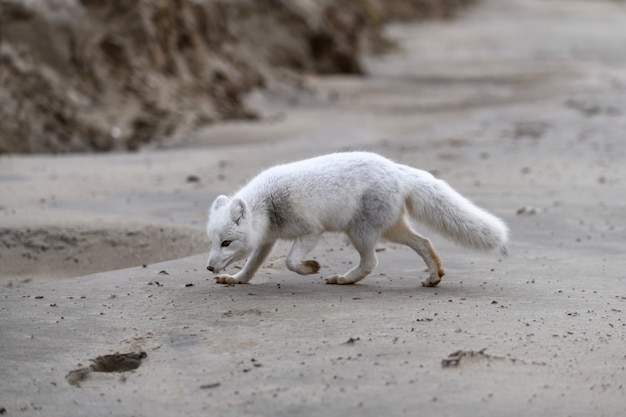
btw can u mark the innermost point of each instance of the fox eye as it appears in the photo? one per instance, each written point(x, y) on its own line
point(226, 243)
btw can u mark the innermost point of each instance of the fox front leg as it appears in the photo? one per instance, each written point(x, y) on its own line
point(249, 269)
point(367, 263)
point(301, 247)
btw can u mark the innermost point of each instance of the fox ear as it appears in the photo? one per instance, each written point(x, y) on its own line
point(238, 210)
point(219, 202)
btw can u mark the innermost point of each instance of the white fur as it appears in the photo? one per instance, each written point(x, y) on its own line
point(362, 194)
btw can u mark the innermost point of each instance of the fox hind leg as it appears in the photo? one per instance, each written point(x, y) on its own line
point(402, 233)
point(301, 247)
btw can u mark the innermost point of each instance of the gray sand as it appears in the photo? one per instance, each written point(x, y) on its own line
point(520, 105)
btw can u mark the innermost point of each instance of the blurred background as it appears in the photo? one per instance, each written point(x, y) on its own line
point(102, 75)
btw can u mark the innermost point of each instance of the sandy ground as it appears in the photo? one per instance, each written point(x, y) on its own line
point(519, 104)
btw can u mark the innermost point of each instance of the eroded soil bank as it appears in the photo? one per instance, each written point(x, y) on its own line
point(88, 75)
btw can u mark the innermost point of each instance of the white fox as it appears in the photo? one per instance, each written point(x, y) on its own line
point(362, 194)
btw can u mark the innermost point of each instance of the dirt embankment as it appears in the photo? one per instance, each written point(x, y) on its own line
point(99, 75)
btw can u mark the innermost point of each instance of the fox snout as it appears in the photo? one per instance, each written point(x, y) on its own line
point(215, 266)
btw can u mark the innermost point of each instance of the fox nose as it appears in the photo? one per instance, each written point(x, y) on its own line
point(210, 268)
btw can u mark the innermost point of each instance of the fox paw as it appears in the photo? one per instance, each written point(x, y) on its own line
point(310, 267)
point(433, 279)
point(339, 280)
point(228, 279)
point(303, 267)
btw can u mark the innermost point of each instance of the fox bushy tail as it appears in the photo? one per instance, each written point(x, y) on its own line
point(436, 204)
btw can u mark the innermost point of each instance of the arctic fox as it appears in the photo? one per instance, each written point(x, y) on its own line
point(362, 194)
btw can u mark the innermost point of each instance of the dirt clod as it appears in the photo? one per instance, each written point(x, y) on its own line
point(117, 362)
point(210, 386)
point(454, 359)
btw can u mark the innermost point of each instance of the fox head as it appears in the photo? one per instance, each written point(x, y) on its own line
point(230, 232)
